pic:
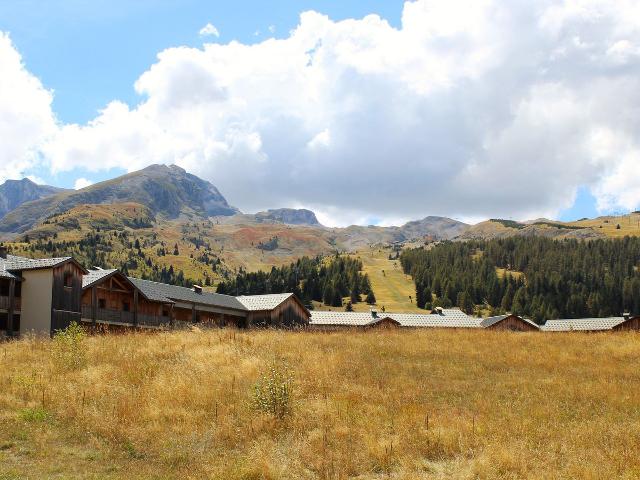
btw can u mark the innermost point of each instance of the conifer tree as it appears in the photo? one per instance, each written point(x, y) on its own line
point(371, 298)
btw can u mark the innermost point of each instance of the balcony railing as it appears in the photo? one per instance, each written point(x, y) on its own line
point(4, 303)
point(122, 317)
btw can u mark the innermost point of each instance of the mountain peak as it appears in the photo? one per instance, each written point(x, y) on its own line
point(161, 168)
point(166, 190)
point(22, 181)
point(290, 216)
point(14, 193)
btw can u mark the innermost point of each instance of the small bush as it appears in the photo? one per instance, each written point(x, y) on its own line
point(272, 393)
point(36, 414)
point(68, 350)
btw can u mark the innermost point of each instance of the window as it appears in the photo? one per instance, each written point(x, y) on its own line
point(125, 306)
point(102, 303)
point(68, 279)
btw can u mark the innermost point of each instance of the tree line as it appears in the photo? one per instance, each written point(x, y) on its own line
point(311, 279)
point(539, 277)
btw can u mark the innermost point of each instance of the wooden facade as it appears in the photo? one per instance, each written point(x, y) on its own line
point(384, 323)
point(207, 315)
point(65, 297)
point(289, 314)
point(10, 306)
point(632, 323)
point(114, 300)
point(513, 323)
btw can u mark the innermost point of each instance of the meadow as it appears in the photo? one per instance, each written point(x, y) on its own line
point(366, 405)
point(394, 290)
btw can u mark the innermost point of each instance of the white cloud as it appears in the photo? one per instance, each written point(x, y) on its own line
point(26, 118)
point(36, 179)
point(209, 31)
point(471, 108)
point(81, 183)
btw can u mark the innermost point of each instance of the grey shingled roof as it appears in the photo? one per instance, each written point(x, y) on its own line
point(450, 318)
point(95, 276)
point(15, 263)
point(355, 319)
point(581, 324)
point(161, 292)
point(263, 302)
point(3, 270)
point(487, 322)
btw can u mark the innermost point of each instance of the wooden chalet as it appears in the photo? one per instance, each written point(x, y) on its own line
point(510, 322)
point(600, 324)
point(110, 298)
point(275, 310)
point(38, 295)
point(631, 322)
point(440, 318)
point(383, 323)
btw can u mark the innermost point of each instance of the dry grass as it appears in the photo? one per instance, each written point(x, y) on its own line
point(390, 285)
point(629, 225)
point(398, 404)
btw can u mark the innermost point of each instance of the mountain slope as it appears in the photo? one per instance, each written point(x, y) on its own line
point(14, 193)
point(166, 190)
point(289, 216)
point(497, 228)
point(357, 237)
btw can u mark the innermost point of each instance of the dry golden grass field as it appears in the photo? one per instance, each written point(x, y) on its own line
point(365, 405)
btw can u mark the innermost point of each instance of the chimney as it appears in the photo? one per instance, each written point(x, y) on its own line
point(3, 252)
point(374, 313)
point(197, 289)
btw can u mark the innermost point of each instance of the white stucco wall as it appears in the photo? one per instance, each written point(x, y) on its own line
point(37, 289)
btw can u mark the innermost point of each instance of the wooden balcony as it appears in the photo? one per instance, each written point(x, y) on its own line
point(4, 303)
point(120, 317)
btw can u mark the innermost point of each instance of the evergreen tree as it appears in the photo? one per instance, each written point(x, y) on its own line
point(371, 298)
point(555, 278)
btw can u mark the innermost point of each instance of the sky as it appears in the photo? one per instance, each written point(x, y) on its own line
point(365, 112)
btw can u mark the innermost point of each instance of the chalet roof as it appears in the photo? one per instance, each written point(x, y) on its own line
point(98, 275)
point(355, 319)
point(375, 320)
point(488, 322)
point(95, 276)
point(263, 302)
point(3, 270)
point(450, 318)
point(581, 324)
point(162, 292)
point(15, 263)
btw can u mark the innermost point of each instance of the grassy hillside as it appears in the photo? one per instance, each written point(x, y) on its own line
point(629, 225)
point(405, 405)
point(120, 225)
point(391, 286)
point(607, 226)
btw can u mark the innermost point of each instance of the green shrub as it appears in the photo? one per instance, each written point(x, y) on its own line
point(36, 414)
point(272, 393)
point(68, 348)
